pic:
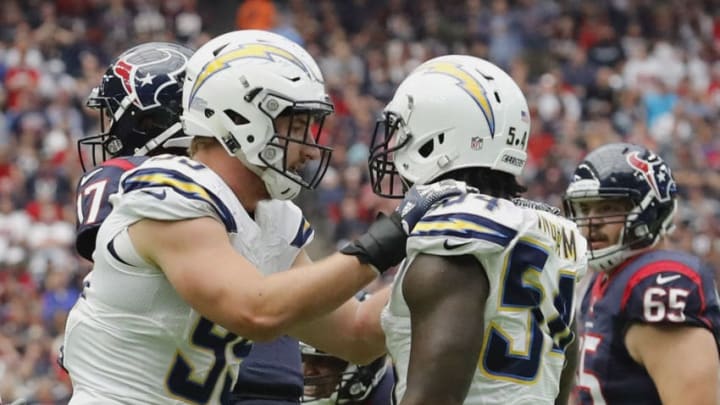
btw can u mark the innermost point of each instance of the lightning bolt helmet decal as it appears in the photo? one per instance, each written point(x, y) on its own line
point(468, 84)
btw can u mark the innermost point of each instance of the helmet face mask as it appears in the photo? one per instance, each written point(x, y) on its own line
point(298, 126)
point(606, 220)
point(390, 135)
point(139, 102)
point(452, 112)
point(324, 384)
point(638, 184)
point(331, 380)
point(239, 85)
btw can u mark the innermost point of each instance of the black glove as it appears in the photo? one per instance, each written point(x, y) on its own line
point(383, 245)
point(536, 205)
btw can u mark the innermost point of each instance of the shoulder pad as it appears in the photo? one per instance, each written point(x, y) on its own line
point(468, 223)
point(174, 187)
point(665, 291)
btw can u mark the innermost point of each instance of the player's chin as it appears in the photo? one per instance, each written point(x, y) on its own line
point(314, 392)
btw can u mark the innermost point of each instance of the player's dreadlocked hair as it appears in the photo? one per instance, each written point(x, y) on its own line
point(488, 181)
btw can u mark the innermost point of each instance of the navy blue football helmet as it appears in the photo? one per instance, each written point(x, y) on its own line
point(336, 381)
point(639, 179)
point(140, 102)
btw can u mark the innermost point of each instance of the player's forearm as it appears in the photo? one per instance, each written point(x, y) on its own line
point(287, 298)
point(362, 332)
point(357, 335)
point(367, 317)
point(366, 325)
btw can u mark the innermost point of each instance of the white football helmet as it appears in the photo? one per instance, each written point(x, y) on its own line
point(237, 85)
point(451, 112)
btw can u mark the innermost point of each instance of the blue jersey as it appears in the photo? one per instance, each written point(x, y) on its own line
point(382, 394)
point(658, 287)
point(93, 206)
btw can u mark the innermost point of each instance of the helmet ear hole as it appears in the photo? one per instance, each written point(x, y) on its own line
point(236, 118)
point(427, 148)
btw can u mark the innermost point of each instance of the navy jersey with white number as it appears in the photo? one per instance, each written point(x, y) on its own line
point(658, 287)
point(93, 191)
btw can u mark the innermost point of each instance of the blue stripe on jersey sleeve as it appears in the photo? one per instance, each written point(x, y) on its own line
point(303, 234)
point(464, 226)
point(181, 184)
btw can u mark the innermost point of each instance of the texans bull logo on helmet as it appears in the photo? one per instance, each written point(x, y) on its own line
point(655, 172)
point(145, 75)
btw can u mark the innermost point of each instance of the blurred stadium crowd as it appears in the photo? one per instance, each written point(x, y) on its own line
point(642, 71)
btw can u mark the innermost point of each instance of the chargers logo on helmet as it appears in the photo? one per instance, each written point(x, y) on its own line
point(468, 83)
point(258, 50)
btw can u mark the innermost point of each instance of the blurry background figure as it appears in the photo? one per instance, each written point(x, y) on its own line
point(255, 15)
point(331, 380)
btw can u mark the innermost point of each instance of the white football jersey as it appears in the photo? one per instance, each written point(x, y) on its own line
point(532, 260)
point(131, 338)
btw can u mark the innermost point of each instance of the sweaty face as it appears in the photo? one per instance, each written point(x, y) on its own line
point(601, 221)
point(322, 375)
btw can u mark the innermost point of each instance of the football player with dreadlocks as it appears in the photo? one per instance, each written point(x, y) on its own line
point(481, 310)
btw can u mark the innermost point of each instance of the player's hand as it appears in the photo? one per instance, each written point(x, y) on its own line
point(419, 198)
point(383, 245)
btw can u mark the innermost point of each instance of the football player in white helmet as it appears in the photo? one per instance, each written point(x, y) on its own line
point(272, 371)
point(253, 115)
point(189, 265)
point(480, 311)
